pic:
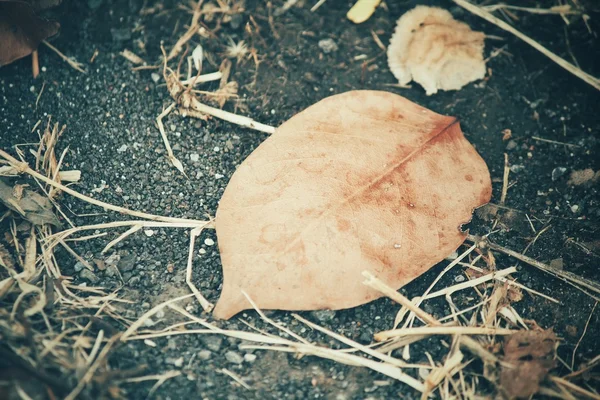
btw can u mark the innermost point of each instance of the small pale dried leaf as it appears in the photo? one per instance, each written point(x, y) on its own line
point(363, 180)
point(531, 355)
point(33, 207)
point(430, 47)
point(584, 177)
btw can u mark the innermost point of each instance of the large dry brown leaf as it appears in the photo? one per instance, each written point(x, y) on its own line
point(363, 180)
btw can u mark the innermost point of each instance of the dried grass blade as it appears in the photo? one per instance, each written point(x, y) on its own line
point(206, 305)
point(378, 285)
point(595, 82)
point(176, 163)
point(442, 330)
point(123, 236)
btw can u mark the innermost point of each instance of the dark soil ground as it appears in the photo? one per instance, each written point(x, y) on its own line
point(112, 138)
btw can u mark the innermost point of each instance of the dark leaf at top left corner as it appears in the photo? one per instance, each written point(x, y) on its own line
point(21, 29)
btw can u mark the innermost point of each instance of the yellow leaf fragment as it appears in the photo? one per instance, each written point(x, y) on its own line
point(362, 10)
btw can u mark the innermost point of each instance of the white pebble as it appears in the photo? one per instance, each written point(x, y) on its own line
point(218, 176)
point(197, 56)
point(179, 362)
point(249, 357)
point(194, 157)
point(209, 242)
point(149, 232)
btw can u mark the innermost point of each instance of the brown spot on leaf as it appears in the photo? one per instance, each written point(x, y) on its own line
point(343, 224)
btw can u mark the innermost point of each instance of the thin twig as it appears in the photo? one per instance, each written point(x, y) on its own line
point(574, 387)
point(562, 10)
point(176, 163)
point(230, 117)
point(505, 180)
point(206, 305)
point(24, 167)
point(235, 377)
point(442, 330)
point(582, 335)
point(554, 141)
point(480, 12)
point(378, 285)
point(92, 369)
point(73, 63)
point(566, 275)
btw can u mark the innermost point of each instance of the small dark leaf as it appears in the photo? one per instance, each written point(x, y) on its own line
point(33, 207)
point(21, 30)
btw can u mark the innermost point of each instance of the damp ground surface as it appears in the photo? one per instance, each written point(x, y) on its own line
point(112, 138)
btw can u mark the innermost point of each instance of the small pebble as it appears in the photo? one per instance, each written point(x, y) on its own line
point(249, 357)
point(89, 275)
point(209, 242)
point(511, 145)
point(327, 45)
point(178, 362)
point(155, 77)
point(194, 157)
point(149, 232)
point(218, 176)
point(324, 315)
point(78, 266)
point(122, 149)
point(204, 355)
point(558, 172)
point(459, 278)
point(213, 342)
point(234, 357)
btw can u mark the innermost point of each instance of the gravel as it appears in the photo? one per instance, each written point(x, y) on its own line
point(112, 108)
point(233, 357)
